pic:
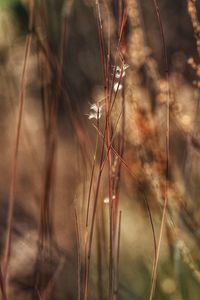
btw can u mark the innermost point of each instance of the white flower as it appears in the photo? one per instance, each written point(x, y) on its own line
point(121, 72)
point(117, 86)
point(95, 111)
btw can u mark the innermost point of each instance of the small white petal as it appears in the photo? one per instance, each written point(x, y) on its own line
point(92, 116)
point(117, 87)
point(94, 107)
point(95, 111)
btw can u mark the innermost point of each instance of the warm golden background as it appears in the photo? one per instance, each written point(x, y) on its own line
point(99, 204)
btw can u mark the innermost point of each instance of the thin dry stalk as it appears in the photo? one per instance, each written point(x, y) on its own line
point(154, 275)
point(92, 174)
point(117, 256)
point(78, 255)
point(88, 246)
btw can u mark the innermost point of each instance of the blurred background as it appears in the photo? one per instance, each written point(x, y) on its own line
point(51, 148)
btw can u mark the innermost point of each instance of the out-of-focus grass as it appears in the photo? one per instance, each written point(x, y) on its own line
point(57, 150)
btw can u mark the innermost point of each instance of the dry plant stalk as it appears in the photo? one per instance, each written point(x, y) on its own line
point(133, 123)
